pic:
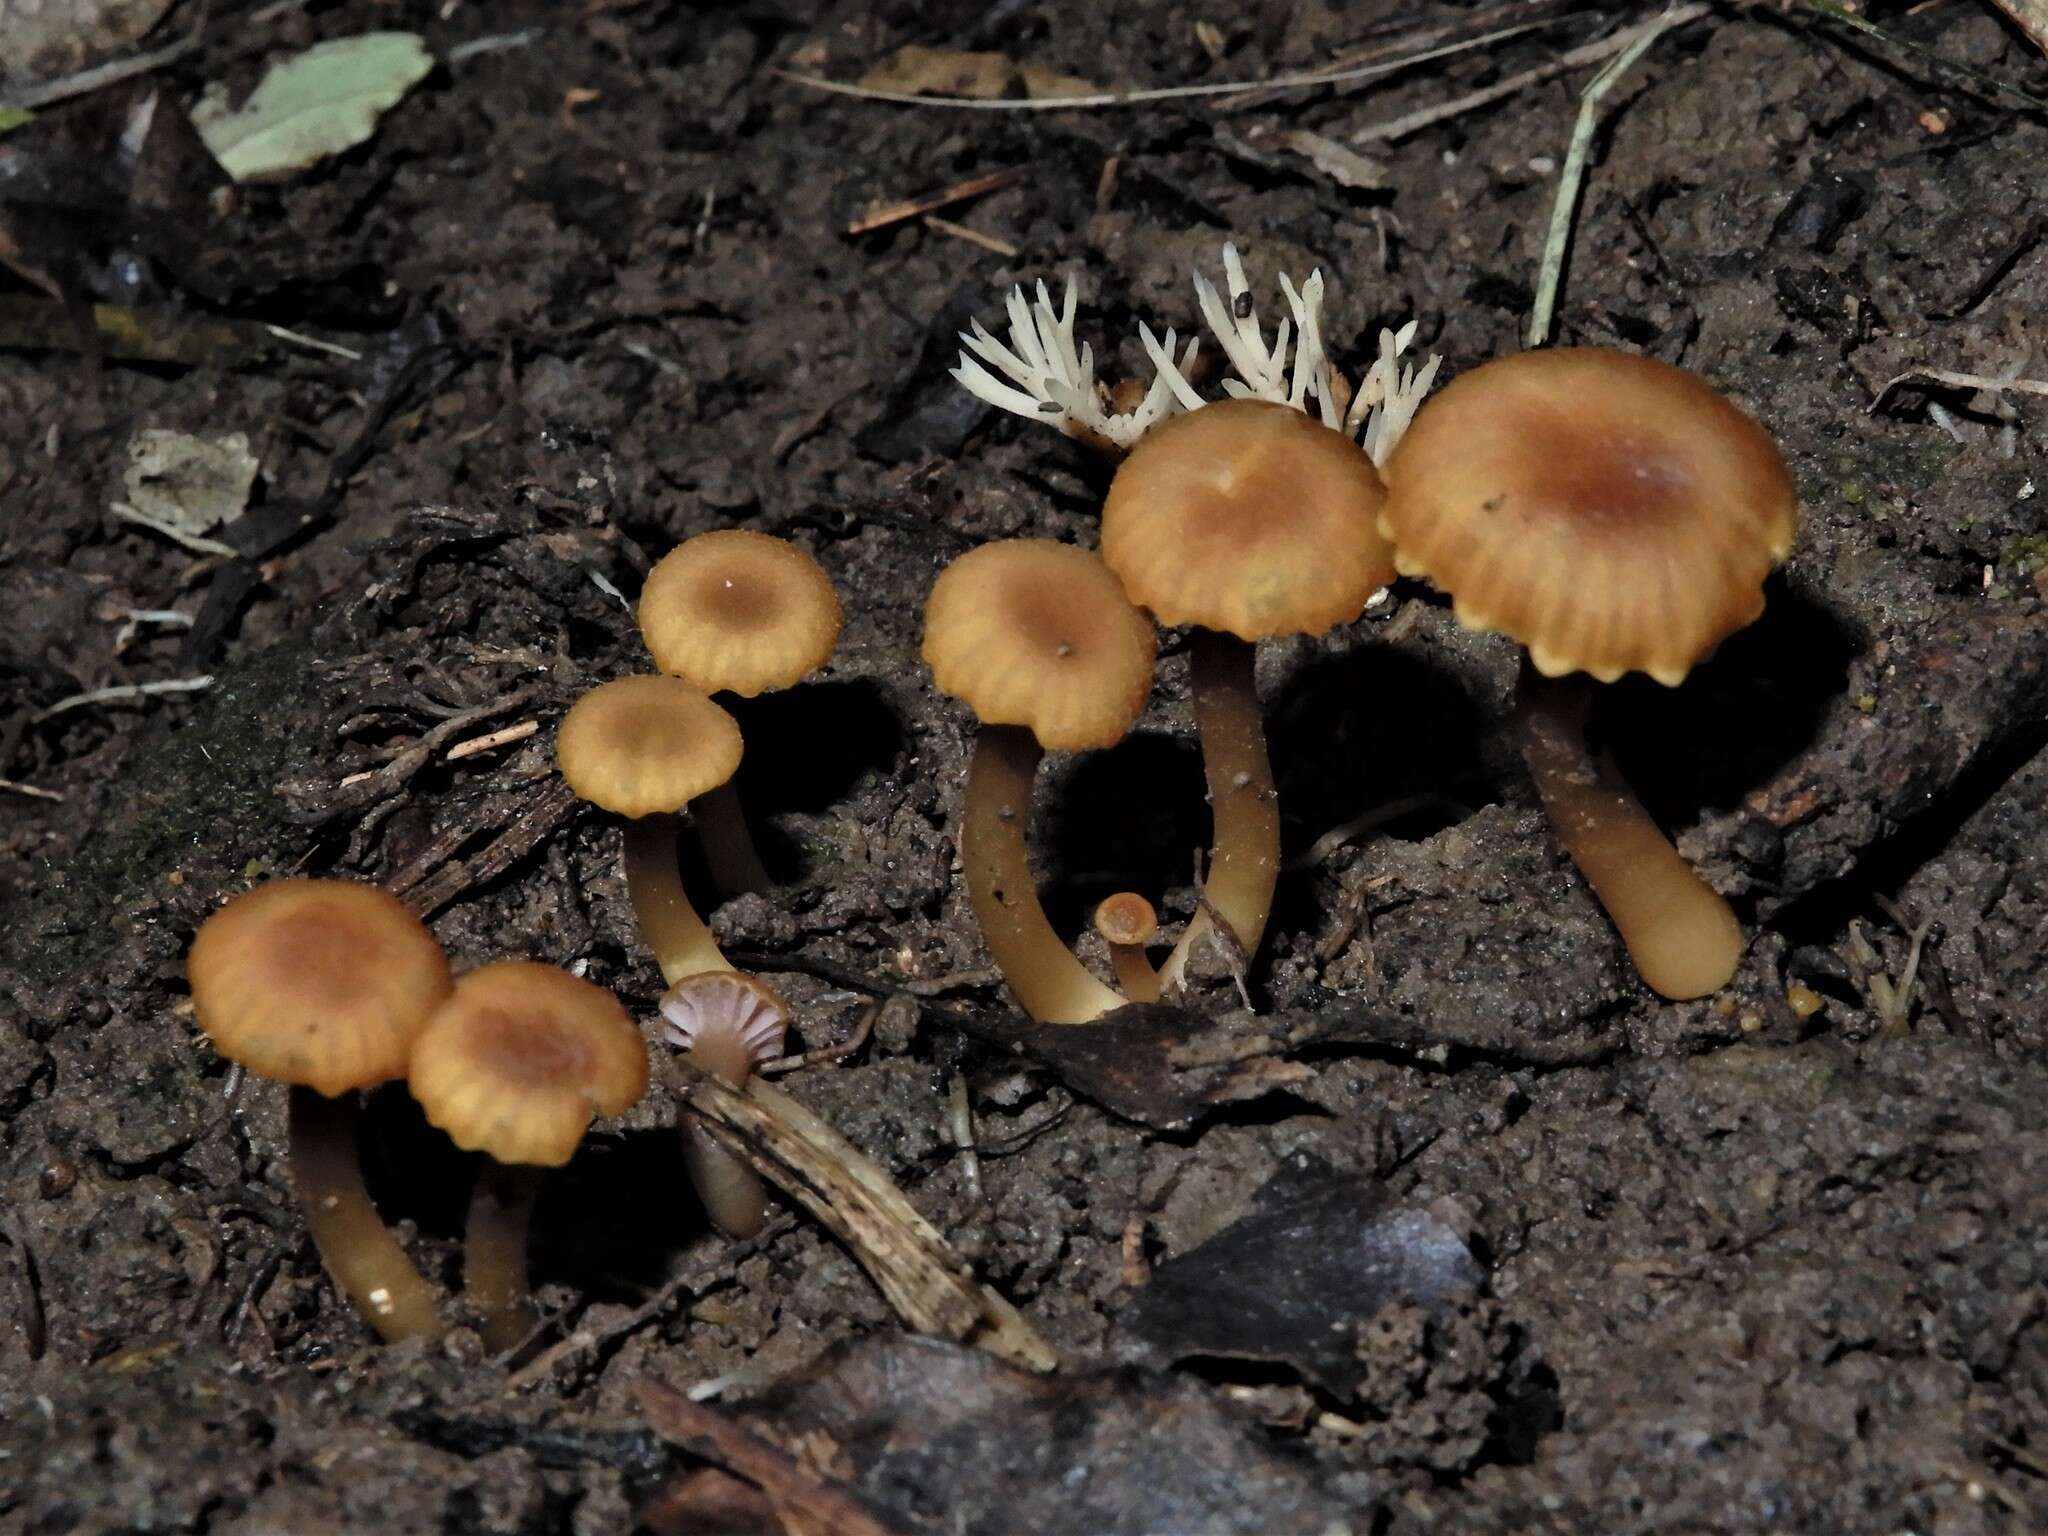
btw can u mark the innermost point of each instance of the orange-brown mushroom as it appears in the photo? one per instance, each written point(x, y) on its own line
point(1249, 520)
point(515, 1064)
point(737, 612)
point(645, 747)
point(325, 985)
point(1613, 514)
point(1040, 641)
point(1127, 923)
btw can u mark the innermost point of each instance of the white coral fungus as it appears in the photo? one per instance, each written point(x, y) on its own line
point(1049, 381)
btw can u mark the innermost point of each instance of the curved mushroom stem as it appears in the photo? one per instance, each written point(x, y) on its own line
point(1135, 977)
point(734, 1197)
point(681, 943)
point(494, 1251)
point(1051, 983)
point(1683, 937)
point(728, 845)
point(1244, 811)
point(368, 1265)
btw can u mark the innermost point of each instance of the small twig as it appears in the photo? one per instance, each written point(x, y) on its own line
point(495, 739)
point(1573, 175)
point(314, 343)
point(826, 1054)
point(583, 1340)
point(126, 693)
point(15, 787)
point(1955, 380)
point(910, 207)
point(1157, 93)
point(1983, 82)
point(960, 1126)
point(49, 92)
point(132, 620)
point(801, 1499)
point(989, 243)
point(1563, 64)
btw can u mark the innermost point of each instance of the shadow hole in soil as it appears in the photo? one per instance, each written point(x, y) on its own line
point(1737, 719)
point(595, 1228)
point(1125, 819)
point(807, 748)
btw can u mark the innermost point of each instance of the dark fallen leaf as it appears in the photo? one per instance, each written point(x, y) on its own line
point(1294, 1282)
point(942, 1438)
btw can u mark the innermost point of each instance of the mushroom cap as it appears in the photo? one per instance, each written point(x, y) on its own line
point(324, 983)
point(731, 1018)
point(738, 611)
point(1126, 918)
point(522, 1056)
point(642, 745)
point(1248, 517)
point(1033, 633)
point(1611, 512)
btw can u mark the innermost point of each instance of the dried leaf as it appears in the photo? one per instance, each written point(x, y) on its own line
point(321, 102)
point(192, 484)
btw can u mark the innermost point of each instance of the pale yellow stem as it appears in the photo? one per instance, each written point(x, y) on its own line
point(1244, 811)
point(368, 1265)
point(1683, 937)
point(682, 945)
point(494, 1252)
point(736, 866)
point(1135, 977)
point(1051, 983)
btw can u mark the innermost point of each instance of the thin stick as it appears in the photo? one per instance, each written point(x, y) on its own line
point(15, 787)
point(910, 207)
point(502, 738)
point(1573, 175)
point(1158, 93)
point(68, 86)
point(1592, 53)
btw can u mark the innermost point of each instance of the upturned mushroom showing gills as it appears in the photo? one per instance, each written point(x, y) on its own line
point(1248, 520)
point(643, 748)
point(1612, 513)
point(325, 984)
point(515, 1064)
point(737, 612)
point(729, 1024)
point(1040, 641)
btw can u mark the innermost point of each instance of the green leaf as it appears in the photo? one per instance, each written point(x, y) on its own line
point(320, 103)
point(14, 117)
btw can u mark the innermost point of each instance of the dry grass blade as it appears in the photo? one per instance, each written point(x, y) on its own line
point(929, 1285)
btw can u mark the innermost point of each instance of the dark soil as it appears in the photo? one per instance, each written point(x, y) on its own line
point(1727, 1265)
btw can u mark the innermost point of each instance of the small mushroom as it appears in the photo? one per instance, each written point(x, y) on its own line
point(514, 1065)
point(1039, 640)
point(729, 1023)
point(643, 748)
point(1249, 520)
point(1127, 924)
point(1611, 513)
point(737, 612)
point(325, 985)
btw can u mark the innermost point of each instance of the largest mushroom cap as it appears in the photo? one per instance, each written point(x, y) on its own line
point(639, 746)
point(1247, 517)
point(517, 1062)
point(1033, 633)
point(738, 612)
point(1611, 512)
point(323, 983)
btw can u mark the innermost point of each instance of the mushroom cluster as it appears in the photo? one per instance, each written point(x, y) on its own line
point(331, 987)
point(1610, 512)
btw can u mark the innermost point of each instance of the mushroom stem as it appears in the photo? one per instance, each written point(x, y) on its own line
point(494, 1251)
point(1683, 937)
point(367, 1264)
point(728, 845)
point(1244, 812)
point(1135, 977)
point(1051, 983)
point(682, 945)
point(733, 1195)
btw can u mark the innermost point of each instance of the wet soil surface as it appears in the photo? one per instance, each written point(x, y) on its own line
point(1529, 1248)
